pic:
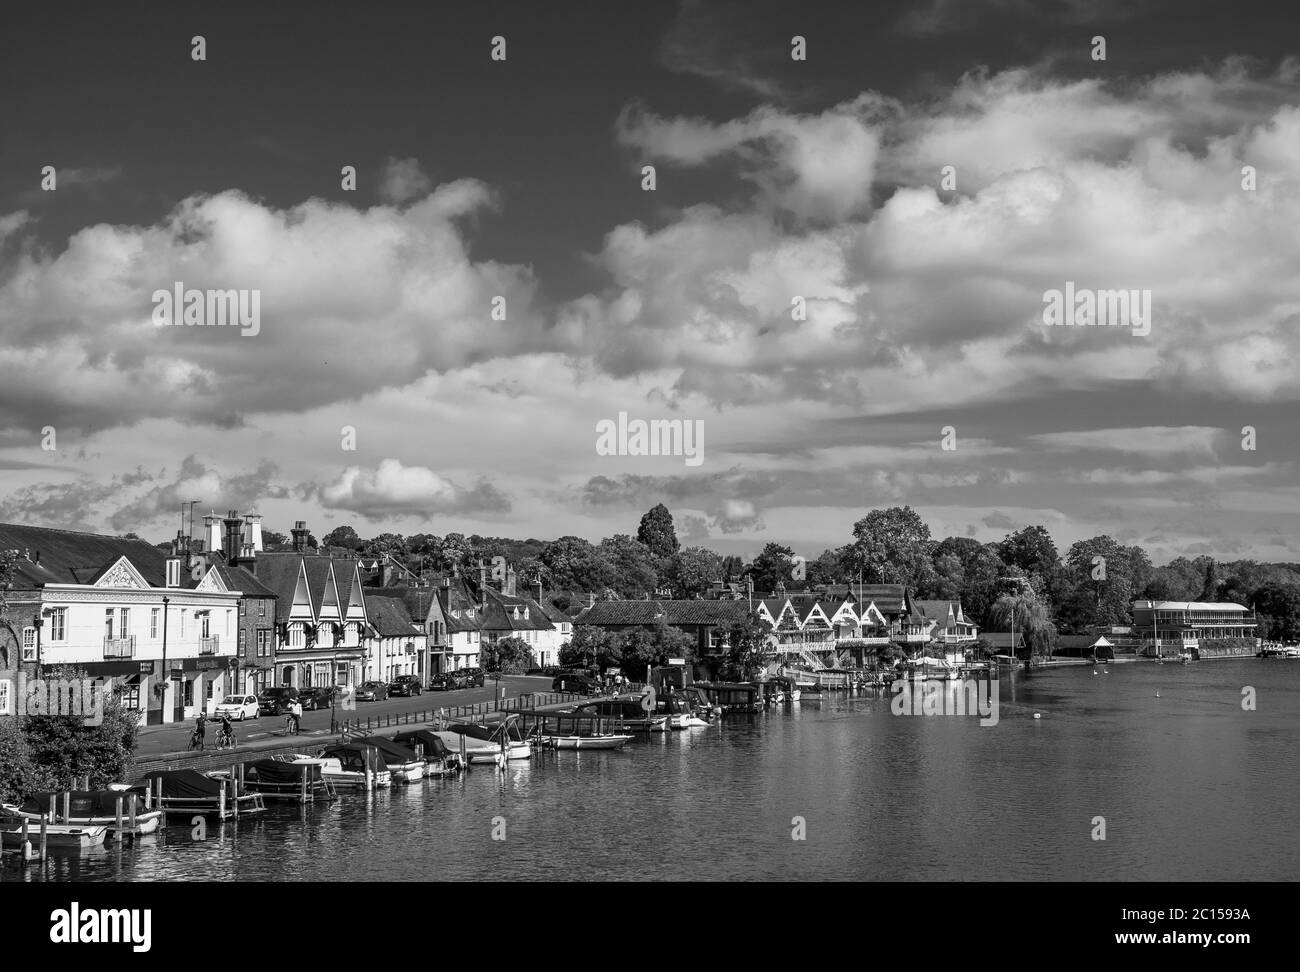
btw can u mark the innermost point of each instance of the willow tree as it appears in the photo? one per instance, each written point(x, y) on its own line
point(1030, 617)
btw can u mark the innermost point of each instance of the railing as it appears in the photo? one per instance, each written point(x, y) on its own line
point(119, 647)
point(208, 646)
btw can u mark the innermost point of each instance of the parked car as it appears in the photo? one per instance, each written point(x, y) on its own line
point(318, 697)
point(372, 692)
point(442, 682)
point(575, 682)
point(405, 685)
point(238, 707)
point(473, 676)
point(275, 701)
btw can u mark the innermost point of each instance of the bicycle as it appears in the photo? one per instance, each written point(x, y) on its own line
point(196, 740)
point(226, 740)
point(291, 725)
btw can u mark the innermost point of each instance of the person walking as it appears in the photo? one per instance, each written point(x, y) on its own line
point(200, 730)
point(295, 717)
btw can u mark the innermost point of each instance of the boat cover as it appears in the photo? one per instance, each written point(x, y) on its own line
point(393, 752)
point(85, 803)
point(183, 784)
point(276, 771)
point(352, 757)
point(434, 747)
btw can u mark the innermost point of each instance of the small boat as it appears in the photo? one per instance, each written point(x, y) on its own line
point(734, 696)
point(626, 714)
point(187, 792)
point(280, 779)
point(403, 763)
point(90, 808)
point(352, 765)
point(604, 740)
point(484, 743)
point(438, 759)
point(57, 836)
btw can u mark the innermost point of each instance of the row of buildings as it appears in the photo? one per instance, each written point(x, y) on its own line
point(183, 627)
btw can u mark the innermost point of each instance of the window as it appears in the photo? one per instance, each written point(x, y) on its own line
point(243, 607)
point(29, 644)
point(243, 641)
point(206, 626)
point(153, 622)
point(58, 624)
point(261, 609)
point(227, 624)
point(123, 622)
point(263, 642)
point(108, 623)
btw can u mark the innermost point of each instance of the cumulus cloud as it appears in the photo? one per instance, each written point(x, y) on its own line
point(196, 480)
point(393, 489)
point(351, 301)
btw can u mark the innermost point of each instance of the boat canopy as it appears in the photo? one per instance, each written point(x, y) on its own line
point(434, 747)
point(278, 771)
point(84, 803)
point(352, 756)
point(184, 783)
point(394, 752)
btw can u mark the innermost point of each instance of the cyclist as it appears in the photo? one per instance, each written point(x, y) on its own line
point(200, 730)
point(227, 734)
point(295, 717)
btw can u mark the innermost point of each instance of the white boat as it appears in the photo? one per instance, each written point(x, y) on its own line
point(603, 741)
point(403, 763)
point(89, 808)
point(60, 836)
point(346, 765)
point(486, 743)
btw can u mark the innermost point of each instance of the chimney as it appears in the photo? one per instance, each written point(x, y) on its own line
point(510, 581)
point(539, 588)
point(253, 531)
point(212, 531)
point(179, 545)
point(231, 544)
point(299, 532)
point(482, 584)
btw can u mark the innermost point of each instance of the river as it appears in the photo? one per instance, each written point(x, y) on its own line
point(1191, 786)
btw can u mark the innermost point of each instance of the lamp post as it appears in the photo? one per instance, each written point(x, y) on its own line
point(165, 677)
point(37, 621)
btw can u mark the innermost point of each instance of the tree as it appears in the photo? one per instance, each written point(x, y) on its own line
point(592, 645)
point(1032, 550)
point(633, 565)
point(981, 576)
point(575, 564)
point(771, 567)
point(272, 541)
point(749, 649)
point(1030, 618)
point(343, 536)
point(827, 568)
point(654, 645)
point(693, 570)
point(1279, 611)
point(508, 656)
point(68, 748)
point(454, 554)
point(892, 547)
point(657, 533)
point(393, 544)
point(19, 773)
point(1112, 574)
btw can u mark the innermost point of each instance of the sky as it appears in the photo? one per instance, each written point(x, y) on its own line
point(437, 345)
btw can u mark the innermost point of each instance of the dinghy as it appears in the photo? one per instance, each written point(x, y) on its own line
point(90, 808)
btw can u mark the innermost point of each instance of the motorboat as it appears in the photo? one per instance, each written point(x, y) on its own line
point(485, 743)
point(90, 808)
point(57, 836)
point(438, 759)
point(626, 714)
point(403, 763)
point(279, 779)
point(352, 766)
point(187, 793)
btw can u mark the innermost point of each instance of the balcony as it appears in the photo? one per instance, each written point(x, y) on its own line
point(208, 646)
point(119, 647)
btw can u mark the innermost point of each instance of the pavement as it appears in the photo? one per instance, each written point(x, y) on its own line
point(269, 731)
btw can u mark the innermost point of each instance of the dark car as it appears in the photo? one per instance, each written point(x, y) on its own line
point(575, 682)
point(275, 701)
point(473, 676)
point(405, 685)
point(442, 682)
point(318, 697)
point(372, 692)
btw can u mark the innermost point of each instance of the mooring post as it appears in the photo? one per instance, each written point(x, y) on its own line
point(118, 831)
point(44, 825)
point(304, 782)
point(26, 842)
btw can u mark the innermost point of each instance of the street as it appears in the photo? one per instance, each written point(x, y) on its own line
point(173, 738)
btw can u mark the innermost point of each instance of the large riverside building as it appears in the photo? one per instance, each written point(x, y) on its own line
point(1166, 627)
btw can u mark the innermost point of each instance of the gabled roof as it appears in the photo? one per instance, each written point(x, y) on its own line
point(71, 557)
point(694, 612)
point(239, 579)
point(389, 617)
point(940, 611)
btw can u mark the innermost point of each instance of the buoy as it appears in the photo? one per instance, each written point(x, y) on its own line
point(1157, 693)
point(1094, 671)
point(1037, 716)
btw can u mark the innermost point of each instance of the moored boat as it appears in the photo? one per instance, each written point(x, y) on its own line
point(57, 836)
point(625, 714)
point(352, 765)
point(403, 764)
point(607, 740)
point(90, 808)
point(187, 792)
point(486, 743)
point(279, 779)
point(438, 759)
